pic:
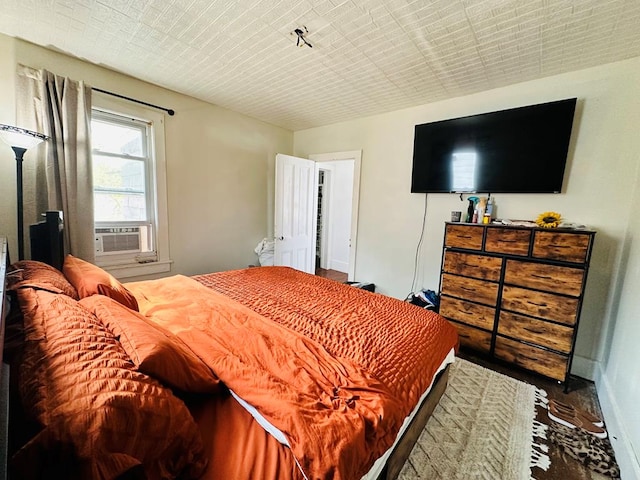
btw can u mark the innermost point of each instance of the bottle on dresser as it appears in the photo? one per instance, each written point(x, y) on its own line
point(490, 207)
point(488, 213)
point(482, 206)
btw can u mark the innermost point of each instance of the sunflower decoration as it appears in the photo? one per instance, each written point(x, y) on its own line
point(548, 219)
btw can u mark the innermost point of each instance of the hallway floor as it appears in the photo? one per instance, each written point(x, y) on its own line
point(331, 274)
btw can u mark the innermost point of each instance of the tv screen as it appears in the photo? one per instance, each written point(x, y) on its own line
point(521, 150)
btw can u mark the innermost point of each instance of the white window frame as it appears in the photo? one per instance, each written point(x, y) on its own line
point(126, 266)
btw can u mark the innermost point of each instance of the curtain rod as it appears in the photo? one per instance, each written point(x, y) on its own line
point(168, 110)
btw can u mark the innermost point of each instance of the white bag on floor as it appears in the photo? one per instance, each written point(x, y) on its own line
point(265, 250)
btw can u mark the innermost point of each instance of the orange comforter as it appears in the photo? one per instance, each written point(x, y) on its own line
point(359, 367)
point(400, 344)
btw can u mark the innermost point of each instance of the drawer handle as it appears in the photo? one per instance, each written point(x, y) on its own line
point(464, 236)
point(508, 241)
point(537, 304)
point(546, 277)
point(533, 330)
point(467, 289)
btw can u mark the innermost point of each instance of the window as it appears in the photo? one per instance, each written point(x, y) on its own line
point(129, 190)
point(121, 168)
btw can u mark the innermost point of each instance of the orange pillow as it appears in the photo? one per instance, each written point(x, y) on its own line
point(99, 417)
point(31, 273)
point(90, 280)
point(153, 349)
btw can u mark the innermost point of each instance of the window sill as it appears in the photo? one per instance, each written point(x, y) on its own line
point(129, 270)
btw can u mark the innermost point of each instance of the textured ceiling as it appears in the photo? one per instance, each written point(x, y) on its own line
point(368, 57)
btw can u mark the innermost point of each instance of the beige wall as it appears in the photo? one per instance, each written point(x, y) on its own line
point(599, 182)
point(619, 378)
point(219, 164)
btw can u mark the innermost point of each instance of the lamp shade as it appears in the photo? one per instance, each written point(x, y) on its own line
point(20, 137)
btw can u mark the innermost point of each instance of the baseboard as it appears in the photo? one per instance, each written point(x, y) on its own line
point(625, 456)
point(584, 367)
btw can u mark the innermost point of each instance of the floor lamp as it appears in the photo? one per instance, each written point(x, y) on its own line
point(20, 140)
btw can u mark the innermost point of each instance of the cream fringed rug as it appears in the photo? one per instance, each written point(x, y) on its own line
point(483, 428)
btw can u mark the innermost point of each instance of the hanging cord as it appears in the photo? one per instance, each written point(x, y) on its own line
point(415, 265)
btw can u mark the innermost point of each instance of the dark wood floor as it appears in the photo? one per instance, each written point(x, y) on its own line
point(331, 274)
point(582, 393)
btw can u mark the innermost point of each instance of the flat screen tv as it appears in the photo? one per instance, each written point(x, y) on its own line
point(521, 150)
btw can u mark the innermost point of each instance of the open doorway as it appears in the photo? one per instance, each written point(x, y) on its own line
point(335, 219)
point(331, 241)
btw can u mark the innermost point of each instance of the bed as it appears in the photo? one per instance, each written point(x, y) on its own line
point(258, 373)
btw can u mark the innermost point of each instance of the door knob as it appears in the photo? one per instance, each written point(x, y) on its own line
point(281, 238)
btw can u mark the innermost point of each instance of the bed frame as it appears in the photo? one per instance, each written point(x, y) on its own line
point(403, 449)
point(391, 469)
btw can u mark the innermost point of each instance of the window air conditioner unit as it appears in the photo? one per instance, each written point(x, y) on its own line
point(118, 240)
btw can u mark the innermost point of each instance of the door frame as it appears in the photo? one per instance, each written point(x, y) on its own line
point(356, 156)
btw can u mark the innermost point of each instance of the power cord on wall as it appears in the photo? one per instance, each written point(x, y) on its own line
point(415, 265)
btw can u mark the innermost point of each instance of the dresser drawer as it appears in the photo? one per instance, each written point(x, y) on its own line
point(546, 334)
point(479, 291)
point(470, 313)
point(551, 278)
point(540, 304)
point(513, 241)
point(547, 363)
point(473, 338)
point(568, 247)
point(463, 236)
point(476, 266)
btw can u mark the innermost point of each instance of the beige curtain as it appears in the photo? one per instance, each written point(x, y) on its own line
point(61, 178)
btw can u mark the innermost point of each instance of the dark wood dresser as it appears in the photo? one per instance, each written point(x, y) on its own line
point(515, 293)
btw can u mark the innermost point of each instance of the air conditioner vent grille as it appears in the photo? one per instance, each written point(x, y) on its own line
point(121, 242)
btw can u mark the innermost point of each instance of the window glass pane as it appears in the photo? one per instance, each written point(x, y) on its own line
point(118, 174)
point(119, 207)
point(115, 138)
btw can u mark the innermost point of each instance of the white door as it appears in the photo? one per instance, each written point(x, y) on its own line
point(295, 204)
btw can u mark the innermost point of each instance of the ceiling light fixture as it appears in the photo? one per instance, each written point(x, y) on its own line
point(301, 42)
